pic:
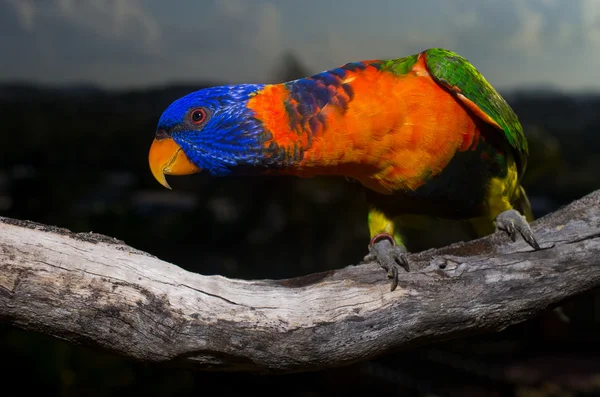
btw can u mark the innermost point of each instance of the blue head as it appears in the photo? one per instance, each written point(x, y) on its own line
point(215, 130)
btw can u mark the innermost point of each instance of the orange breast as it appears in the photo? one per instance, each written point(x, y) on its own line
point(395, 133)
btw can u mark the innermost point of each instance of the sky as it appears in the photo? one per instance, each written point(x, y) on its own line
point(138, 43)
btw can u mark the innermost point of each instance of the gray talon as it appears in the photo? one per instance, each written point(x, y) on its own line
point(391, 258)
point(512, 222)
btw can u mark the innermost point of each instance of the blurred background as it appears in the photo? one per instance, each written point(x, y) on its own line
point(83, 83)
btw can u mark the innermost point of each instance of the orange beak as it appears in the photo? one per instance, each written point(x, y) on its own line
point(167, 158)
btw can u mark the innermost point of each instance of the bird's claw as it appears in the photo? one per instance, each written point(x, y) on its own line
point(512, 222)
point(390, 257)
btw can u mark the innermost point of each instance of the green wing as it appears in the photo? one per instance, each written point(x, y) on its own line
point(460, 77)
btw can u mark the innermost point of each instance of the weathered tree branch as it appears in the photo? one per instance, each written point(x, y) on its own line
point(94, 290)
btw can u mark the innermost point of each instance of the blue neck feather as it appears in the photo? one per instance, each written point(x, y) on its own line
point(231, 140)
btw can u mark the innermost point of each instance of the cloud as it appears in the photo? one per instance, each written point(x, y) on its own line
point(257, 31)
point(590, 12)
point(232, 8)
point(268, 36)
point(462, 15)
point(529, 36)
point(120, 43)
point(565, 33)
point(78, 40)
point(111, 19)
point(25, 11)
point(226, 41)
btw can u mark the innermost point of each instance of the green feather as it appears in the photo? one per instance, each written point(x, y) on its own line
point(401, 65)
point(459, 76)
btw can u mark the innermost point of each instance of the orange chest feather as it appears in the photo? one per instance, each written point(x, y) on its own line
point(391, 133)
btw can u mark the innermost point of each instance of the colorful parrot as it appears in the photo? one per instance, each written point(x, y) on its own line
point(426, 135)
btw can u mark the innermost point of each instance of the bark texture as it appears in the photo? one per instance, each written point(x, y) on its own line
point(95, 290)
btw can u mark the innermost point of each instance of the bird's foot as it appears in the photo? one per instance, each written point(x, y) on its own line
point(391, 257)
point(512, 222)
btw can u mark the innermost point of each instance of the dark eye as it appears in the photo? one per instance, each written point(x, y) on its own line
point(198, 116)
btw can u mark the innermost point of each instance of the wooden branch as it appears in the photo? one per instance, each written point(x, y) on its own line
point(94, 290)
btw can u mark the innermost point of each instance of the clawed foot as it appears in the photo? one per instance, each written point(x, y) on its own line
point(512, 222)
point(391, 257)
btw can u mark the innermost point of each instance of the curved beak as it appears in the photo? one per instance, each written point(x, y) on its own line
point(167, 158)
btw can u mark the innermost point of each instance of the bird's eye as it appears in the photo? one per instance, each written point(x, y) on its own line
point(197, 116)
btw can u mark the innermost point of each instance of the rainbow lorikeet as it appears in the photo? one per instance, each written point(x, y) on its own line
point(425, 134)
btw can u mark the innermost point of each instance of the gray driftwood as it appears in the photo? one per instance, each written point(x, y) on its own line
point(94, 290)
